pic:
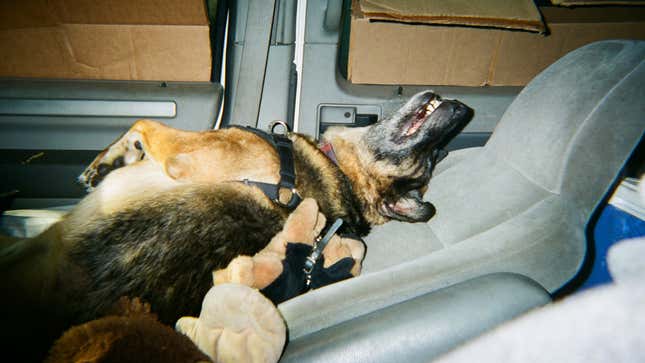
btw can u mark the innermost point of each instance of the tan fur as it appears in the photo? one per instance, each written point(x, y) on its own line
point(199, 157)
point(175, 159)
point(232, 154)
point(359, 166)
point(369, 177)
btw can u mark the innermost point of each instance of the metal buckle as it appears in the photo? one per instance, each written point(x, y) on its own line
point(310, 262)
point(285, 127)
point(293, 192)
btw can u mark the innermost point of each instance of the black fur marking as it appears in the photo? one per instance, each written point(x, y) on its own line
point(314, 182)
point(118, 162)
point(387, 142)
point(165, 252)
point(103, 169)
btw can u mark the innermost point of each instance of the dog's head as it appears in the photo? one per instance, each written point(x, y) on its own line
point(390, 162)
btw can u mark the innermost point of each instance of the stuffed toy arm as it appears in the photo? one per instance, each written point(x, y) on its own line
point(277, 270)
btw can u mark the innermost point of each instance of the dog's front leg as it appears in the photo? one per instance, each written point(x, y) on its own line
point(146, 139)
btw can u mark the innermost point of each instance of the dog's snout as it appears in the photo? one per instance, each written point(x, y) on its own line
point(425, 97)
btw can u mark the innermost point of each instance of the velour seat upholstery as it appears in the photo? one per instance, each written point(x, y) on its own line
point(518, 205)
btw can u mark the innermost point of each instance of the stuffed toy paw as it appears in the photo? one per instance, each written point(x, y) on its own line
point(278, 270)
point(236, 324)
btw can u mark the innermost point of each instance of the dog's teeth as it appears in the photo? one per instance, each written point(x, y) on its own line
point(430, 107)
point(434, 103)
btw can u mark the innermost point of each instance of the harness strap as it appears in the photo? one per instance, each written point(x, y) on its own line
point(284, 147)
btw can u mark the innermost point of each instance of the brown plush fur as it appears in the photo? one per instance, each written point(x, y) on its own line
point(134, 336)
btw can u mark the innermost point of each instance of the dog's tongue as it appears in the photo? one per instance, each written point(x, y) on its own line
point(421, 116)
point(415, 126)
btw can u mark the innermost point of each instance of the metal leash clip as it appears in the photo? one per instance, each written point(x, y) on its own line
point(318, 247)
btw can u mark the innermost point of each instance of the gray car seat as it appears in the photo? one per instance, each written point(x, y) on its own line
point(603, 324)
point(518, 205)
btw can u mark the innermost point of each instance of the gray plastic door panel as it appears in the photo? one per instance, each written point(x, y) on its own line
point(89, 115)
point(50, 130)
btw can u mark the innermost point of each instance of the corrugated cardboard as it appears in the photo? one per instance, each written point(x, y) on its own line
point(511, 14)
point(597, 2)
point(397, 53)
point(164, 40)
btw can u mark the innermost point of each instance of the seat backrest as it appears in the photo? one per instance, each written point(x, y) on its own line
point(576, 123)
point(519, 205)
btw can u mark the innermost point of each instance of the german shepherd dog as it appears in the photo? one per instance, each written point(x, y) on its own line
point(166, 209)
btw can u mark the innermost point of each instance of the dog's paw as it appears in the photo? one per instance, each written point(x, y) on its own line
point(129, 149)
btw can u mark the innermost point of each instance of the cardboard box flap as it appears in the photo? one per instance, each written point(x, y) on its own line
point(509, 14)
point(595, 15)
point(597, 2)
point(395, 53)
point(41, 13)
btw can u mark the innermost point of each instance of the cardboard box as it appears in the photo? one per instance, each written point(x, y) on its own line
point(510, 14)
point(397, 53)
point(165, 40)
point(596, 2)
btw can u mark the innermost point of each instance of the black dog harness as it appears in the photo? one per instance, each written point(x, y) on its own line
point(287, 182)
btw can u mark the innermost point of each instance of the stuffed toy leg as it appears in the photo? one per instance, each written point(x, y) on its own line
point(236, 324)
point(277, 270)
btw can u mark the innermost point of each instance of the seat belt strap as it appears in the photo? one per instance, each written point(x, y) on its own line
point(250, 80)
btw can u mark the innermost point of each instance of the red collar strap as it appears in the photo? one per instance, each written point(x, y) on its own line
point(328, 149)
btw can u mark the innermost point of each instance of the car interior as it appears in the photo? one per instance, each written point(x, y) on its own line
point(519, 197)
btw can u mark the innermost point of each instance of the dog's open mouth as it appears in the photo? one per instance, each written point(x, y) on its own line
point(421, 115)
point(409, 207)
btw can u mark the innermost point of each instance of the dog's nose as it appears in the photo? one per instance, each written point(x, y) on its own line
point(462, 111)
point(458, 109)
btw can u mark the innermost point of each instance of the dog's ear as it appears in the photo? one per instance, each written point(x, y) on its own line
point(409, 208)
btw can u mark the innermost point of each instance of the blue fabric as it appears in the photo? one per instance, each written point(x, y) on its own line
point(613, 225)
